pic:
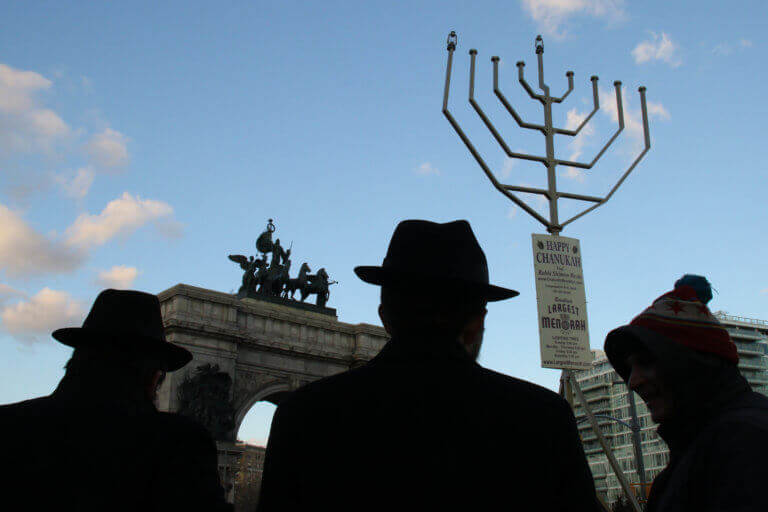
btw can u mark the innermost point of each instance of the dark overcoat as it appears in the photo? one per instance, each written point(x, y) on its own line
point(718, 461)
point(80, 450)
point(424, 427)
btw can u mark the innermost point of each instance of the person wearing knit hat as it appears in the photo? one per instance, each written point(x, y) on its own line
point(682, 362)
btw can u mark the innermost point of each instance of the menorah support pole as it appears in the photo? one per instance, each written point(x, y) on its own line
point(603, 443)
point(549, 134)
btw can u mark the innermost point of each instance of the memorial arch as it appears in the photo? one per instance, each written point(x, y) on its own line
point(257, 350)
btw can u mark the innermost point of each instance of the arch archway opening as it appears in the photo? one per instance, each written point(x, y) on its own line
point(254, 428)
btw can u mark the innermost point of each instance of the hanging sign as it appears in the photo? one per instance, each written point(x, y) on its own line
point(561, 299)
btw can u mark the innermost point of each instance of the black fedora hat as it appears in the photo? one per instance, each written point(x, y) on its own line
point(446, 255)
point(128, 321)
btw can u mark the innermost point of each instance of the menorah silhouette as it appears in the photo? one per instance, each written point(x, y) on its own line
point(552, 224)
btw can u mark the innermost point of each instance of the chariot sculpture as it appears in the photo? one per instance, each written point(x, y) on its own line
point(272, 279)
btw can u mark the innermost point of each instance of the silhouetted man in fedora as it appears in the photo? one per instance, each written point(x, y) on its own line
point(98, 442)
point(422, 426)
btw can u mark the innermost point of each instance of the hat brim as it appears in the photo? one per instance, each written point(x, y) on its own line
point(171, 356)
point(623, 341)
point(380, 276)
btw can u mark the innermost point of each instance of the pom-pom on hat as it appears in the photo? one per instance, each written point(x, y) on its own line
point(680, 316)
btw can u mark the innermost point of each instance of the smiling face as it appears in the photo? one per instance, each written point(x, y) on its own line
point(645, 379)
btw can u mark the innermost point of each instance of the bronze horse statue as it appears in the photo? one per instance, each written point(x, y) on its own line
point(291, 285)
point(273, 278)
point(317, 285)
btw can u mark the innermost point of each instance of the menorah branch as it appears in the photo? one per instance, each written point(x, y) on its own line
point(647, 139)
point(506, 104)
point(521, 79)
point(569, 74)
point(487, 122)
point(529, 190)
point(540, 59)
point(548, 130)
point(596, 107)
point(581, 197)
point(620, 115)
point(489, 174)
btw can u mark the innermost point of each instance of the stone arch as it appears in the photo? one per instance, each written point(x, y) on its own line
point(273, 393)
point(268, 347)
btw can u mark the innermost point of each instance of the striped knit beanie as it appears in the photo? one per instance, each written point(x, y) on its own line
point(680, 316)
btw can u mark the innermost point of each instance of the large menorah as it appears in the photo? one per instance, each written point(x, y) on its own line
point(552, 224)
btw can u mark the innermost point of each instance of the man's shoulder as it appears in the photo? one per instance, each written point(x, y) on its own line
point(505, 382)
point(485, 383)
point(331, 386)
point(31, 408)
point(521, 391)
point(748, 412)
point(176, 424)
point(744, 423)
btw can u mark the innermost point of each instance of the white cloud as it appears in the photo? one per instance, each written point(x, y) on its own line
point(633, 120)
point(507, 166)
point(573, 119)
point(8, 293)
point(725, 49)
point(121, 216)
point(18, 88)
point(77, 184)
point(552, 15)
point(119, 276)
point(108, 149)
point(722, 49)
point(574, 173)
point(512, 212)
point(658, 48)
point(37, 317)
point(426, 169)
point(633, 126)
point(28, 128)
point(657, 110)
point(25, 125)
point(764, 290)
point(25, 252)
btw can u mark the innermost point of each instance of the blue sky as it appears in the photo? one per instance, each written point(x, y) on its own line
point(141, 143)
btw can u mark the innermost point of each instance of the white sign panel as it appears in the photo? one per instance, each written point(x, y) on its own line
point(562, 311)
